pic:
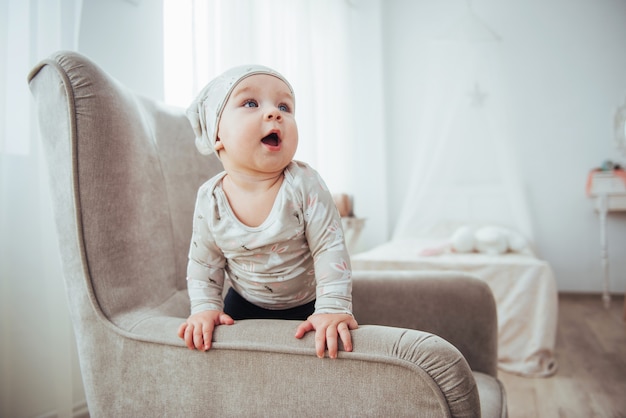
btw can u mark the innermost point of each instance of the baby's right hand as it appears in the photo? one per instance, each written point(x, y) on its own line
point(197, 331)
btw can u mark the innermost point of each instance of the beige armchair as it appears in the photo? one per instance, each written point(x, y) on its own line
point(124, 174)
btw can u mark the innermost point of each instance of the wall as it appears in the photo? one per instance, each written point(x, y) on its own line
point(126, 39)
point(369, 162)
point(565, 67)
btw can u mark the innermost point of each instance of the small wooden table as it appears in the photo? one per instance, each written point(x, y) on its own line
point(608, 189)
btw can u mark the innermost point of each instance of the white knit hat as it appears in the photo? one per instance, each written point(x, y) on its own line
point(206, 110)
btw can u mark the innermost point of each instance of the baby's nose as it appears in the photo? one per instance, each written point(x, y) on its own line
point(273, 114)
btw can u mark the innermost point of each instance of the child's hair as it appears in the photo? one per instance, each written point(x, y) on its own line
point(205, 111)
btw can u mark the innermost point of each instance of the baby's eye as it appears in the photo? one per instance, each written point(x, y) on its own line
point(283, 108)
point(250, 103)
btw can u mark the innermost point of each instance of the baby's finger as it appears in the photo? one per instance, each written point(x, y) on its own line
point(331, 341)
point(198, 340)
point(207, 335)
point(320, 342)
point(189, 336)
point(346, 337)
point(226, 319)
point(353, 324)
point(181, 330)
point(303, 328)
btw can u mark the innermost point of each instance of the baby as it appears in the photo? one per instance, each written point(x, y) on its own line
point(267, 222)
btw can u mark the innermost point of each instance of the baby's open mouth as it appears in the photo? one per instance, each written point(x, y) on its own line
point(272, 139)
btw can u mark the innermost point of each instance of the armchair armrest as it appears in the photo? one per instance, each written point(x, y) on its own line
point(259, 368)
point(453, 305)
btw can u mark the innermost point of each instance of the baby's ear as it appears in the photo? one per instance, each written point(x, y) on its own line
point(218, 145)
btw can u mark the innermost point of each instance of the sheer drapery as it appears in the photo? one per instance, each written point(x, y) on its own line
point(39, 368)
point(308, 41)
point(464, 165)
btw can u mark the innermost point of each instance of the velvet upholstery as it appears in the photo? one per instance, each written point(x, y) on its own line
point(124, 173)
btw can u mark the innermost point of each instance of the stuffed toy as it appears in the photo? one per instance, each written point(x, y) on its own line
point(487, 240)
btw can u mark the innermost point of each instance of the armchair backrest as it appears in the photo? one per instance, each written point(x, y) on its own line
point(132, 183)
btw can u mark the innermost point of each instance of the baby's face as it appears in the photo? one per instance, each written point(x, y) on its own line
point(257, 131)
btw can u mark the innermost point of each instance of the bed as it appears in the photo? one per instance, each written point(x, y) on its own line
point(523, 286)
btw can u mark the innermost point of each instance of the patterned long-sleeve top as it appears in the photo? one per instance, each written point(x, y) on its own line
point(297, 255)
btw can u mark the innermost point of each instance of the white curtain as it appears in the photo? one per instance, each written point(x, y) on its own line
point(464, 169)
point(308, 41)
point(37, 353)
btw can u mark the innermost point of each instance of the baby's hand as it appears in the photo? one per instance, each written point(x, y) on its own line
point(197, 331)
point(327, 328)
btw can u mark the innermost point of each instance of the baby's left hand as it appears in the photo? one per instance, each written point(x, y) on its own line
point(327, 328)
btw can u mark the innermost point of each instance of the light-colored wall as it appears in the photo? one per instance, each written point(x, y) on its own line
point(126, 38)
point(565, 63)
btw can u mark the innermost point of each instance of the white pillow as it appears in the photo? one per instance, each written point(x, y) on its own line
point(487, 239)
point(463, 240)
point(517, 242)
point(491, 240)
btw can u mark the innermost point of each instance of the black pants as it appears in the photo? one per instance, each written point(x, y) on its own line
point(239, 308)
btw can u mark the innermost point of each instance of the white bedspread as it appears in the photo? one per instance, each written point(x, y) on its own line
point(523, 286)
